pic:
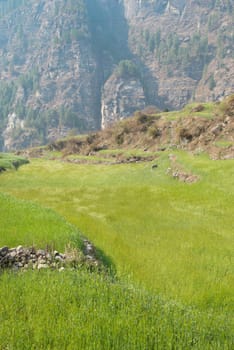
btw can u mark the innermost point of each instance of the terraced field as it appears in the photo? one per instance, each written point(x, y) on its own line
point(168, 242)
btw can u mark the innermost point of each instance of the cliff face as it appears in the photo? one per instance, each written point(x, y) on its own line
point(48, 56)
point(121, 98)
point(58, 62)
point(186, 48)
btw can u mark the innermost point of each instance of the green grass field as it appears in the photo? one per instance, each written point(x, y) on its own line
point(10, 161)
point(171, 244)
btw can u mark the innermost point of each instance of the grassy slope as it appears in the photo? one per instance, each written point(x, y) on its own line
point(29, 224)
point(52, 310)
point(170, 238)
point(173, 237)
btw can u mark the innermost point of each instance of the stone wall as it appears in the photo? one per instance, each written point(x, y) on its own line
point(23, 258)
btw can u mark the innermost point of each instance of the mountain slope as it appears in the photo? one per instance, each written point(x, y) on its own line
point(78, 65)
point(187, 46)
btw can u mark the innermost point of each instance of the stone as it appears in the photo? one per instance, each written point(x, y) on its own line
point(15, 267)
point(12, 254)
point(121, 97)
point(89, 257)
point(19, 249)
point(154, 166)
point(40, 252)
point(59, 258)
point(22, 258)
point(42, 266)
point(48, 256)
point(41, 261)
point(3, 251)
point(217, 129)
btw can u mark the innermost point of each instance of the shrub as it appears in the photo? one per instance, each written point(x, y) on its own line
point(212, 83)
point(154, 131)
point(90, 138)
point(227, 106)
point(198, 108)
point(142, 117)
point(126, 69)
point(119, 138)
point(151, 110)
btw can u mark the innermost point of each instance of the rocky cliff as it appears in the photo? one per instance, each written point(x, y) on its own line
point(48, 57)
point(186, 48)
point(72, 66)
point(121, 97)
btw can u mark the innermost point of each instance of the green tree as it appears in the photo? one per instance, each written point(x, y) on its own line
point(126, 68)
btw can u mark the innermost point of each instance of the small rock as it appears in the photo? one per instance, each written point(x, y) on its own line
point(3, 251)
point(154, 166)
point(19, 249)
point(15, 267)
point(89, 257)
point(217, 129)
point(48, 256)
point(12, 250)
point(58, 258)
point(41, 261)
point(42, 266)
point(40, 252)
point(12, 255)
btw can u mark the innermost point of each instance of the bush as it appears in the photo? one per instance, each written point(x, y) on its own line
point(212, 83)
point(198, 108)
point(143, 118)
point(154, 132)
point(227, 106)
point(119, 138)
point(126, 69)
point(150, 110)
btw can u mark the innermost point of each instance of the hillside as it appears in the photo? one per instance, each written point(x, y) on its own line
point(198, 128)
point(74, 66)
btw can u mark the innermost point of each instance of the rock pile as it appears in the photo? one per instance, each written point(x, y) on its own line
point(177, 172)
point(22, 258)
point(185, 177)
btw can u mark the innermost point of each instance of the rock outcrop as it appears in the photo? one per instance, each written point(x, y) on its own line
point(121, 97)
point(186, 48)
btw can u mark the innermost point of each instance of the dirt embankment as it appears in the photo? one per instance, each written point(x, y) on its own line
point(192, 131)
